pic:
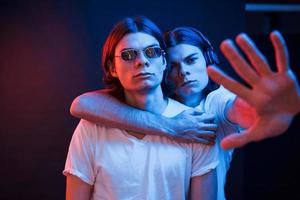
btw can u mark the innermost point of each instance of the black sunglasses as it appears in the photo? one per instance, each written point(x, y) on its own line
point(149, 52)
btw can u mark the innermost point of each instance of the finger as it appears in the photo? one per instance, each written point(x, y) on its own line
point(209, 140)
point(197, 112)
point(238, 63)
point(208, 127)
point(281, 52)
point(234, 141)
point(206, 134)
point(200, 140)
point(257, 59)
point(221, 78)
point(206, 140)
point(206, 118)
point(241, 139)
point(193, 111)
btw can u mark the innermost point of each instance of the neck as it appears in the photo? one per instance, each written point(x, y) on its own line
point(192, 100)
point(150, 100)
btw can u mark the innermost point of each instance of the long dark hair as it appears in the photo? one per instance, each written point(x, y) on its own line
point(122, 28)
point(191, 36)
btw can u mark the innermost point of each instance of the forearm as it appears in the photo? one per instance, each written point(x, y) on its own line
point(204, 187)
point(101, 108)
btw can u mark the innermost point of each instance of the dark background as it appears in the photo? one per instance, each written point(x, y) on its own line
point(50, 53)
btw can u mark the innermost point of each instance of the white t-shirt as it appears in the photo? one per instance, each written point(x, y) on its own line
point(216, 103)
point(120, 166)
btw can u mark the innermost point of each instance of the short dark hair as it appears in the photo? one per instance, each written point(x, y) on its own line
point(192, 36)
point(122, 28)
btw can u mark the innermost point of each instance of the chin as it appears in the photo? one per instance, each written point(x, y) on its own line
point(144, 87)
point(191, 90)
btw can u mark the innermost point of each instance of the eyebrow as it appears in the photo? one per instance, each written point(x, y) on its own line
point(187, 57)
point(151, 45)
point(191, 55)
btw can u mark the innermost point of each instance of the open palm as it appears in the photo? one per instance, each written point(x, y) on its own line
point(274, 96)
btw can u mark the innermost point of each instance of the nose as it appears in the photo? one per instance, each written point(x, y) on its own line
point(141, 60)
point(183, 71)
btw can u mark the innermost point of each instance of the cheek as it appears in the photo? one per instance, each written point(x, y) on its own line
point(173, 77)
point(200, 70)
point(204, 79)
point(203, 72)
point(203, 76)
point(158, 65)
point(122, 66)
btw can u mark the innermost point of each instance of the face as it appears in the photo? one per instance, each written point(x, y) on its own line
point(142, 73)
point(188, 70)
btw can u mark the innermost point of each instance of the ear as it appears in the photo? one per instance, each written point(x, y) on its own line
point(164, 62)
point(112, 69)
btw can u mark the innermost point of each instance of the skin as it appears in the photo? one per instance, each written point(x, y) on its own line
point(274, 95)
point(261, 109)
point(141, 81)
point(142, 87)
point(77, 189)
point(188, 73)
point(101, 108)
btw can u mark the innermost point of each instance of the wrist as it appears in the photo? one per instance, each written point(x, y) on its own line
point(167, 126)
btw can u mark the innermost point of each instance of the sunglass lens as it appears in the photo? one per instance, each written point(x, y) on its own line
point(129, 55)
point(153, 52)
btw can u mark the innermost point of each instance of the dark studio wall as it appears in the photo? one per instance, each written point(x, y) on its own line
point(50, 53)
point(271, 166)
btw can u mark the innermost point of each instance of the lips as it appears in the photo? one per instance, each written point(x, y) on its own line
point(187, 83)
point(143, 74)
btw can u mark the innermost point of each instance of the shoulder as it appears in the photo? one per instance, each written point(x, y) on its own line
point(220, 91)
point(218, 98)
point(84, 131)
point(218, 102)
point(88, 130)
point(86, 125)
point(220, 94)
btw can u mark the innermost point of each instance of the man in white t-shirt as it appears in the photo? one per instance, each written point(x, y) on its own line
point(110, 163)
point(119, 165)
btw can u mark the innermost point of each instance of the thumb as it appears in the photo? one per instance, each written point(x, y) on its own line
point(234, 141)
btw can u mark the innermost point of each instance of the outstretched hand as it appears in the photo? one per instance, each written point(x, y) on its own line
point(275, 96)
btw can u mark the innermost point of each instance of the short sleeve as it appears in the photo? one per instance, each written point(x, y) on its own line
point(205, 159)
point(217, 101)
point(80, 159)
